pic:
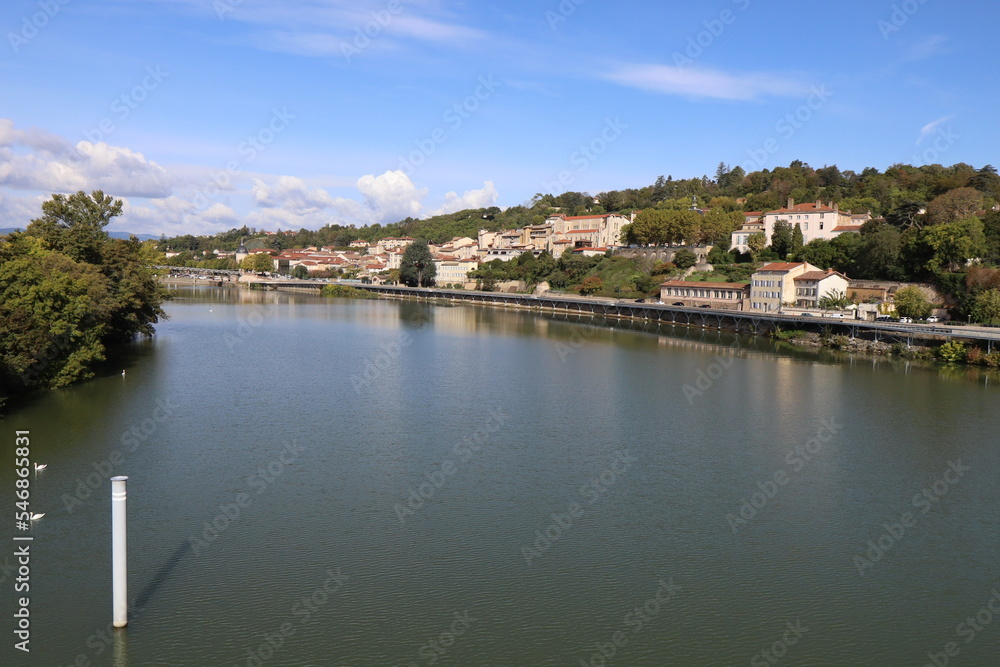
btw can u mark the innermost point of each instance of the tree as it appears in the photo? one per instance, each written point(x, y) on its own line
point(953, 244)
point(300, 272)
point(260, 262)
point(591, 285)
point(416, 268)
point(756, 242)
point(74, 225)
point(798, 240)
point(911, 302)
point(986, 307)
point(685, 259)
point(781, 238)
point(834, 300)
point(878, 253)
point(953, 205)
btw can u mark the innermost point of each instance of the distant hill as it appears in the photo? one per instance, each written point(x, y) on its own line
point(114, 235)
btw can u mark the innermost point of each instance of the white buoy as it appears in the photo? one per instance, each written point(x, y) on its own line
point(119, 552)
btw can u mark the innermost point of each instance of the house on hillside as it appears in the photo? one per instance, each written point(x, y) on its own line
point(773, 285)
point(812, 286)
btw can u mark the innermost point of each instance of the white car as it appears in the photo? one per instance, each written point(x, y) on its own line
point(933, 318)
point(906, 320)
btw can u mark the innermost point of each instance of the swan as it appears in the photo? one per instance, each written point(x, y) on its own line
point(35, 516)
point(41, 466)
point(123, 373)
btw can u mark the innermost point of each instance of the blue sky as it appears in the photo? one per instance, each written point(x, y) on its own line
point(210, 114)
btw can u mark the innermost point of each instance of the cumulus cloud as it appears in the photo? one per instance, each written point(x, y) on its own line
point(703, 82)
point(34, 159)
point(391, 196)
point(484, 197)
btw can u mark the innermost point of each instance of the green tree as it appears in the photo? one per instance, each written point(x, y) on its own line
point(300, 272)
point(986, 307)
point(685, 259)
point(74, 225)
point(756, 242)
point(951, 245)
point(260, 262)
point(416, 268)
point(798, 240)
point(781, 238)
point(878, 253)
point(834, 300)
point(911, 302)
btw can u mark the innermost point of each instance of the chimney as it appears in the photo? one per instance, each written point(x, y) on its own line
point(791, 203)
point(819, 204)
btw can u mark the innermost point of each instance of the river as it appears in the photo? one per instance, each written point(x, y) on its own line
point(353, 483)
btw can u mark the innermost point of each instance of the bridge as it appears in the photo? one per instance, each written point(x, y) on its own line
point(745, 322)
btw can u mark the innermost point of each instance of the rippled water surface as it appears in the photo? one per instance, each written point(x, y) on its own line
point(358, 483)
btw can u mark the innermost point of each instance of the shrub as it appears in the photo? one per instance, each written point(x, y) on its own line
point(951, 352)
point(992, 359)
point(974, 355)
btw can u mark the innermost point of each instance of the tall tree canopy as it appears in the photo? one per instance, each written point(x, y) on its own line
point(416, 268)
point(68, 290)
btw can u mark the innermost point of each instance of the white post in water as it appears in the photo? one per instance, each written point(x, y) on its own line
point(119, 552)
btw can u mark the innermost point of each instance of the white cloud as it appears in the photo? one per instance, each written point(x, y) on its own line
point(34, 159)
point(391, 196)
point(702, 82)
point(482, 198)
point(930, 128)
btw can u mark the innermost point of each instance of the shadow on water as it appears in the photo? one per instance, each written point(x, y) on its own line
point(146, 594)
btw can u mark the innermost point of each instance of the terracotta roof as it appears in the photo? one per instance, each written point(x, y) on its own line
point(582, 231)
point(587, 217)
point(809, 207)
point(781, 266)
point(848, 228)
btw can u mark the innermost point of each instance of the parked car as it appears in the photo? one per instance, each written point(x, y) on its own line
point(933, 318)
point(906, 320)
point(640, 301)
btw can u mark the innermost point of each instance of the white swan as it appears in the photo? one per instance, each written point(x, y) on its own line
point(41, 466)
point(123, 373)
point(36, 516)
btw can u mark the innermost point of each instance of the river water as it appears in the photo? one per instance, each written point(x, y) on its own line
point(354, 483)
